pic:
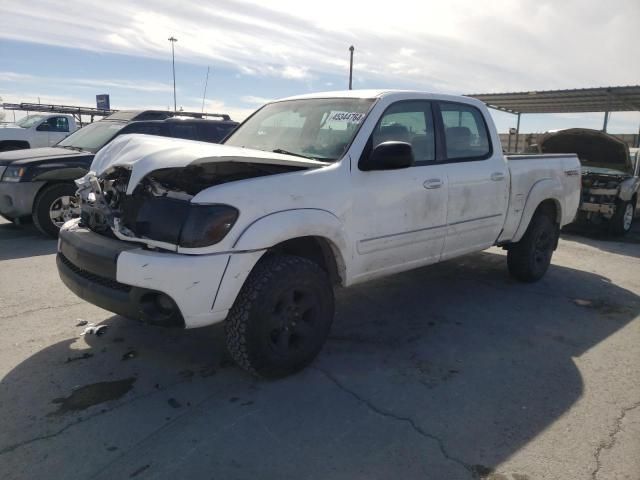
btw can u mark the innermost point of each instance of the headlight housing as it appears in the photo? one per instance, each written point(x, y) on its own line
point(178, 222)
point(207, 225)
point(13, 174)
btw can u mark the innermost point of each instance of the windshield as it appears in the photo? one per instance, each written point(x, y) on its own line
point(320, 128)
point(29, 120)
point(92, 137)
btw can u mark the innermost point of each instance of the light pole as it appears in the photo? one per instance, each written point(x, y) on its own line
point(350, 66)
point(173, 40)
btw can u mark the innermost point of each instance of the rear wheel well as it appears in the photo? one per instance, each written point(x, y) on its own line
point(551, 209)
point(317, 249)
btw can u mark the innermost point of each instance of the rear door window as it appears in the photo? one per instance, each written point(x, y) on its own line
point(465, 132)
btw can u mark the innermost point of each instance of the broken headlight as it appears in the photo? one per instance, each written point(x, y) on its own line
point(178, 222)
point(207, 225)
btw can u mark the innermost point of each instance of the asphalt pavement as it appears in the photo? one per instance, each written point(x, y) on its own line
point(453, 371)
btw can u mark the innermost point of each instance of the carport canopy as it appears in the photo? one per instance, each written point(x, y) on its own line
point(577, 100)
point(605, 99)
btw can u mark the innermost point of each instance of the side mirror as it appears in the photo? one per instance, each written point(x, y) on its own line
point(388, 156)
point(43, 127)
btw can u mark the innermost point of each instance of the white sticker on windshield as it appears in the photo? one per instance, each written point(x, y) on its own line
point(350, 117)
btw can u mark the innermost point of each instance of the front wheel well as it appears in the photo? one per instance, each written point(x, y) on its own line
point(316, 249)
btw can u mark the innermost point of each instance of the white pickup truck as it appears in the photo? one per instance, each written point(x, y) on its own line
point(308, 193)
point(36, 131)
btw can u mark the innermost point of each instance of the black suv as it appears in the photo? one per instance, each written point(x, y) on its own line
point(38, 183)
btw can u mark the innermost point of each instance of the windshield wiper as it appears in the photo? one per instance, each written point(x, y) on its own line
point(71, 147)
point(286, 152)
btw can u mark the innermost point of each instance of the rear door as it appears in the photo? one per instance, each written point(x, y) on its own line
point(477, 176)
point(399, 215)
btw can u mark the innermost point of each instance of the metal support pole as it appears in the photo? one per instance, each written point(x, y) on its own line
point(606, 120)
point(509, 143)
point(173, 67)
point(205, 90)
point(351, 67)
point(517, 133)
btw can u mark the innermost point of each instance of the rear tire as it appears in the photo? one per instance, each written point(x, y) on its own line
point(529, 259)
point(622, 219)
point(281, 318)
point(56, 200)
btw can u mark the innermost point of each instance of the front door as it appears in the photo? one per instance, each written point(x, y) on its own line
point(478, 180)
point(58, 129)
point(399, 216)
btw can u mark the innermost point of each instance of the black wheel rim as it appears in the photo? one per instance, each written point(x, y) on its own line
point(543, 248)
point(293, 321)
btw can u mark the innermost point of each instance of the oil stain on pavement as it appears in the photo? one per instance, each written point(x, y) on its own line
point(93, 394)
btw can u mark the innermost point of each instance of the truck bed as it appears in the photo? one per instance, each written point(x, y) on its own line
point(526, 171)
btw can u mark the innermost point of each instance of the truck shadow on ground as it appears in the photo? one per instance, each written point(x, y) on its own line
point(20, 241)
point(441, 372)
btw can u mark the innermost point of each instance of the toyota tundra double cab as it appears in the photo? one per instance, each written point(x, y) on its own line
point(309, 193)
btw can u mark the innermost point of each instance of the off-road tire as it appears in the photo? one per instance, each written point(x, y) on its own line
point(617, 222)
point(529, 259)
point(255, 328)
point(46, 196)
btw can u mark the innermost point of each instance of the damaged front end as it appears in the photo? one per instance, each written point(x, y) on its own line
point(600, 194)
point(159, 212)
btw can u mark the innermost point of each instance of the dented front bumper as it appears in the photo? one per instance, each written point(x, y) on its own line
point(143, 284)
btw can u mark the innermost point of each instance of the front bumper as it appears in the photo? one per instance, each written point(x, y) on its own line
point(127, 279)
point(16, 198)
point(605, 209)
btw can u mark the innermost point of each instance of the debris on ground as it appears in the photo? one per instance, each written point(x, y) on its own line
point(84, 356)
point(129, 355)
point(582, 303)
point(93, 330)
point(81, 323)
point(139, 471)
point(174, 403)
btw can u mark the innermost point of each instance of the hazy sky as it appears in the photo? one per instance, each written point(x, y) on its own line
point(67, 52)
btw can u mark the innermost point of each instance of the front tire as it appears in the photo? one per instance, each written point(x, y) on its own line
point(622, 219)
point(281, 318)
point(54, 205)
point(529, 259)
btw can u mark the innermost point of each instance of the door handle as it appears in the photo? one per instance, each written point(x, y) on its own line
point(432, 183)
point(497, 176)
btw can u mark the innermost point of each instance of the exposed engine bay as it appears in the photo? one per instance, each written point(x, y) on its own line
point(609, 177)
point(160, 206)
